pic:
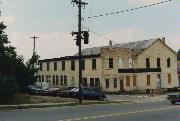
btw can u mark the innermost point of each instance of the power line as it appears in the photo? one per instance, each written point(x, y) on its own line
point(132, 9)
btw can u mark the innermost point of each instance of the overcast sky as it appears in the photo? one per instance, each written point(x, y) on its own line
point(53, 21)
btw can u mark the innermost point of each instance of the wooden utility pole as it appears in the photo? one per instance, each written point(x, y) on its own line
point(34, 46)
point(78, 39)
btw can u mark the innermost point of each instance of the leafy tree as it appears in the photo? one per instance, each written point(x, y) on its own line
point(32, 67)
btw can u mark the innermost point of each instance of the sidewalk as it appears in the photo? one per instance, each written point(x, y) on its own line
point(137, 98)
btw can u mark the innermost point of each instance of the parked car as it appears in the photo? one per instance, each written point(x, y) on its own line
point(65, 92)
point(91, 93)
point(51, 91)
point(174, 97)
point(33, 89)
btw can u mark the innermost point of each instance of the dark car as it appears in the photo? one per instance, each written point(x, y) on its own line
point(91, 94)
point(33, 89)
point(51, 91)
point(174, 98)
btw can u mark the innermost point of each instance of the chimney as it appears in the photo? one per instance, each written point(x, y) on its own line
point(164, 39)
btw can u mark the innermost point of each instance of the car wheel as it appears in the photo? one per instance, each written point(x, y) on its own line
point(173, 102)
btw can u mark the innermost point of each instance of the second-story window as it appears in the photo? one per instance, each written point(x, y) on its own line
point(130, 62)
point(63, 65)
point(168, 62)
point(147, 63)
point(83, 64)
point(47, 66)
point(110, 63)
point(41, 66)
point(55, 66)
point(72, 65)
point(158, 62)
point(93, 64)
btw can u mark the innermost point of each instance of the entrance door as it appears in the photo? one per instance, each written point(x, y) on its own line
point(121, 85)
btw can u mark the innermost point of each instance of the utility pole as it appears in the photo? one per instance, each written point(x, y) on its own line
point(34, 46)
point(78, 39)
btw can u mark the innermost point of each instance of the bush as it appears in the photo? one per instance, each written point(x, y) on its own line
point(8, 88)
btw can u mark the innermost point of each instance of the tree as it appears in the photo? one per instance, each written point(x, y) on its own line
point(32, 67)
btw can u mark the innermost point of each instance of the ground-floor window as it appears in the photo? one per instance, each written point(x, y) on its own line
point(169, 78)
point(128, 81)
point(65, 80)
point(107, 83)
point(54, 80)
point(61, 80)
point(134, 80)
point(97, 82)
point(42, 78)
point(84, 82)
point(115, 83)
point(148, 80)
point(57, 80)
point(91, 82)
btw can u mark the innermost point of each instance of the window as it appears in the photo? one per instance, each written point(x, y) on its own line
point(42, 78)
point(47, 66)
point(115, 83)
point(41, 67)
point(120, 63)
point(63, 65)
point(148, 80)
point(158, 63)
point(168, 62)
point(39, 78)
point(84, 83)
point(110, 63)
point(147, 63)
point(54, 80)
point(72, 65)
point(55, 66)
point(57, 80)
point(134, 80)
point(107, 83)
point(97, 82)
point(91, 82)
point(93, 64)
point(169, 78)
point(128, 81)
point(83, 64)
point(130, 62)
point(65, 80)
point(61, 79)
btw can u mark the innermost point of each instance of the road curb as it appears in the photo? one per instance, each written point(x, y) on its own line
point(27, 106)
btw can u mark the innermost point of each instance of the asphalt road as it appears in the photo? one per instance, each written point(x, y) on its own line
point(151, 111)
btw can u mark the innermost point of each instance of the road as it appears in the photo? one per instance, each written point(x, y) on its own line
point(149, 111)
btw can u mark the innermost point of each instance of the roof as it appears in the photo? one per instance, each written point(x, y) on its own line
point(137, 45)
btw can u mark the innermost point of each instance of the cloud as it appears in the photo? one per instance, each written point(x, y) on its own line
point(8, 19)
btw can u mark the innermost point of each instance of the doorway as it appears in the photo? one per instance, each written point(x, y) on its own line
point(121, 85)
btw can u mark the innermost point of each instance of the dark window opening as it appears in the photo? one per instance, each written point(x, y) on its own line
point(91, 82)
point(63, 65)
point(158, 63)
point(93, 64)
point(110, 63)
point(107, 83)
point(47, 66)
point(115, 83)
point(147, 63)
point(72, 65)
point(55, 66)
point(168, 62)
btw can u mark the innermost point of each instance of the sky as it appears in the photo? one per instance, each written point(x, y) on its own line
point(53, 21)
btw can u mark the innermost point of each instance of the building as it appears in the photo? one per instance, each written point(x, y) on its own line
point(129, 66)
point(178, 58)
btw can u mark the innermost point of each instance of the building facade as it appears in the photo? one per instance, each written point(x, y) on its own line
point(123, 67)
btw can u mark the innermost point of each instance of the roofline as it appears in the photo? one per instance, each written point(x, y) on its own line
point(70, 58)
point(158, 39)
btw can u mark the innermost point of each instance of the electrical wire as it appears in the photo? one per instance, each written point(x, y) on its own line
point(132, 9)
